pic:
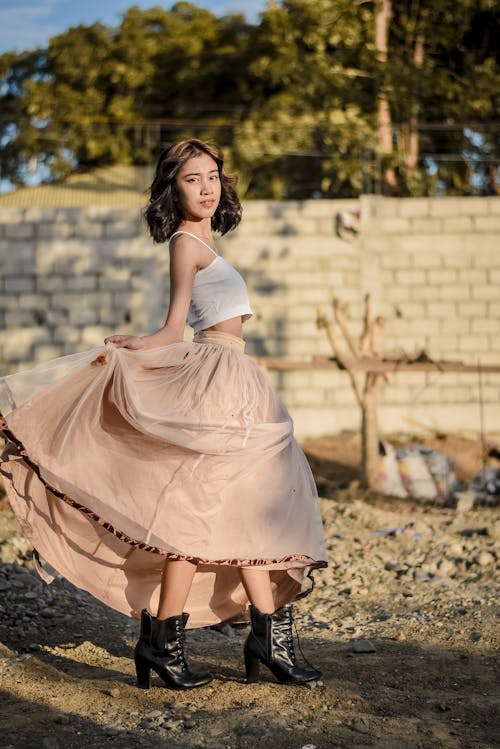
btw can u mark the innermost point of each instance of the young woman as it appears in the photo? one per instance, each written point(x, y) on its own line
point(163, 476)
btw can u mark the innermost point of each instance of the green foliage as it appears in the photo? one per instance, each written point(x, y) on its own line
point(292, 99)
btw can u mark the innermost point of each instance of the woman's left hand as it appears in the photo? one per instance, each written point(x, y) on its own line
point(126, 341)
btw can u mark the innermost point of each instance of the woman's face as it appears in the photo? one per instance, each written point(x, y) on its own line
point(198, 187)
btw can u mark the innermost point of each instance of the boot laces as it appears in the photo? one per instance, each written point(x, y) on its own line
point(180, 646)
point(300, 648)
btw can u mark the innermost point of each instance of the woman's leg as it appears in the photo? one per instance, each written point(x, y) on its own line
point(161, 642)
point(175, 586)
point(257, 584)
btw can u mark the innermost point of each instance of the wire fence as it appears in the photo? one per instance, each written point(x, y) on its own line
point(437, 159)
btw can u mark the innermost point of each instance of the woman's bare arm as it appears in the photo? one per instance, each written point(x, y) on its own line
point(184, 262)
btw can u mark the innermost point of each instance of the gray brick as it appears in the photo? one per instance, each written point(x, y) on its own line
point(82, 317)
point(20, 231)
point(54, 231)
point(19, 283)
point(82, 283)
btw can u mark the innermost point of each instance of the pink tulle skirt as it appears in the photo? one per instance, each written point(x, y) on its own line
point(117, 460)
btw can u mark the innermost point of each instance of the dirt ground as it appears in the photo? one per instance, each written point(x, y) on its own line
point(414, 584)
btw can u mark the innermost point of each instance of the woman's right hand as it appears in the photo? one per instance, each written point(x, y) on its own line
point(126, 341)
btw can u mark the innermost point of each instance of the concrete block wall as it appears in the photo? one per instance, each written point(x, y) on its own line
point(70, 276)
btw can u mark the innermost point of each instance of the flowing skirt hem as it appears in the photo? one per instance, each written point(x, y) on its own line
point(17, 451)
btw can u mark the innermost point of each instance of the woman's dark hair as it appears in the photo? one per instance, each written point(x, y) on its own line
point(163, 215)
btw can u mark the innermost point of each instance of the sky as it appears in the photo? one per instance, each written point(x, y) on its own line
point(26, 24)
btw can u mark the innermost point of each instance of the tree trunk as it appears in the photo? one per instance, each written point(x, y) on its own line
point(412, 150)
point(383, 12)
point(369, 440)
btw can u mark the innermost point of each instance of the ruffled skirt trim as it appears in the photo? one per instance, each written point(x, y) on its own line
point(193, 430)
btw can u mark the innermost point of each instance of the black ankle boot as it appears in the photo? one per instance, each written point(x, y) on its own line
point(271, 642)
point(161, 649)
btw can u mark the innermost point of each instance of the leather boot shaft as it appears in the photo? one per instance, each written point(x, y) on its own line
point(271, 642)
point(161, 649)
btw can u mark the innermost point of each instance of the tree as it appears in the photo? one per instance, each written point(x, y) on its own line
point(320, 98)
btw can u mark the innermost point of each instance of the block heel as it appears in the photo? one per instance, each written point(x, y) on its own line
point(143, 672)
point(252, 667)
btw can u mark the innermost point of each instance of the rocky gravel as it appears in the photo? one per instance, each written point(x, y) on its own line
point(403, 625)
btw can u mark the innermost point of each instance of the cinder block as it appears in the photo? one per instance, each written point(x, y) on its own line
point(422, 293)
point(396, 394)
point(484, 243)
point(34, 301)
point(19, 318)
point(56, 317)
point(116, 283)
point(51, 283)
point(487, 223)
point(494, 309)
point(296, 379)
point(83, 317)
point(18, 284)
point(9, 301)
point(396, 260)
point(453, 292)
point(412, 310)
point(66, 301)
point(54, 230)
point(308, 397)
point(457, 224)
point(94, 335)
point(66, 335)
point(461, 259)
point(445, 345)
point(46, 352)
point(486, 258)
point(89, 229)
point(473, 343)
point(441, 309)
point(39, 214)
point(493, 276)
point(472, 309)
point(454, 325)
point(485, 292)
point(11, 215)
point(410, 277)
point(396, 327)
point(341, 395)
point(425, 326)
point(451, 206)
point(82, 283)
point(441, 243)
point(473, 275)
point(312, 294)
point(426, 225)
point(18, 344)
point(121, 229)
point(395, 225)
point(394, 294)
point(427, 260)
point(441, 276)
point(485, 325)
point(19, 231)
point(413, 207)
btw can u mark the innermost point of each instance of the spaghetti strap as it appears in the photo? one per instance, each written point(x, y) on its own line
point(194, 237)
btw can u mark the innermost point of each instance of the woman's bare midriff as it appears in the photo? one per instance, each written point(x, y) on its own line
point(233, 326)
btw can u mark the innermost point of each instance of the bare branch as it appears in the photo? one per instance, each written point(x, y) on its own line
point(340, 310)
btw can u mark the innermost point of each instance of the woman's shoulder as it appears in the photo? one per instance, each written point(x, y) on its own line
point(188, 238)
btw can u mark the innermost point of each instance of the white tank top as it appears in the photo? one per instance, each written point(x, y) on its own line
point(219, 293)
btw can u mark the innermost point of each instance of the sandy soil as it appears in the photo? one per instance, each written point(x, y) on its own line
point(416, 584)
